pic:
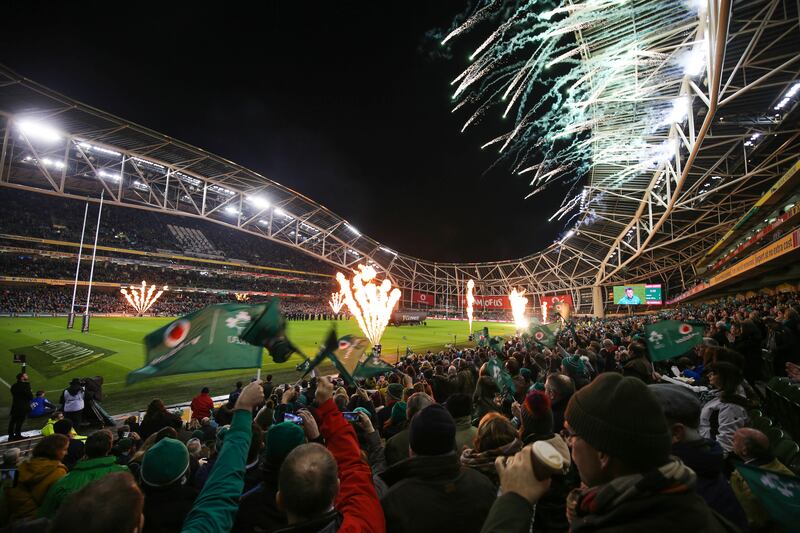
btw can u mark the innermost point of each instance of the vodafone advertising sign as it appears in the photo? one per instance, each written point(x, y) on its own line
point(424, 298)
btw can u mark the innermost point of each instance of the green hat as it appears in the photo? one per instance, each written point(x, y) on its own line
point(165, 463)
point(537, 386)
point(363, 410)
point(199, 435)
point(621, 417)
point(221, 431)
point(399, 412)
point(574, 363)
point(281, 439)
point(395, 391)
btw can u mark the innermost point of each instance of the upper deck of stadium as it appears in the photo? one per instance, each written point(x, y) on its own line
point(739, 138)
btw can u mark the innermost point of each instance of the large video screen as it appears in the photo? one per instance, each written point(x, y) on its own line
point(637, 294)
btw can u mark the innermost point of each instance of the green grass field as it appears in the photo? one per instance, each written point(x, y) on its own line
point(123, 337)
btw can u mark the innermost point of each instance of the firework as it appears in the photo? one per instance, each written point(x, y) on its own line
point(470, 302)
point(142, 298)
point(606, 106)
point(241, 296)
point(336, 302)
point(370, 303)
point(544, 312)
point(518, 303)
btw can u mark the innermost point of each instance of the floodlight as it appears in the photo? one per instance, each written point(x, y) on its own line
point(39, 131)
point(258, 201)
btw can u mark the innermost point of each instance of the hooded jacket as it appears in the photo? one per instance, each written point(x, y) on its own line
point(34, 479)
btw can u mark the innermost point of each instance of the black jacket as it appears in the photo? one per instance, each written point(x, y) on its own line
point(165, 509)
point(21, 398)
point(258, 511)
point(435, 494)
point(707, 460)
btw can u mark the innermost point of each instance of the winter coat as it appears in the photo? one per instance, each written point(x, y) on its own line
point(21, 397)
point(749, 347)
point(34, 479)
point(84, 473)
point(657, 504)
point(356, 506)
point(153, 423)
point(397, 447)
point(465, 433)
point(258, 510)
point(202, 405)
point(435, 494)
point(706, 458)
point(166, 508)
point(720, 419)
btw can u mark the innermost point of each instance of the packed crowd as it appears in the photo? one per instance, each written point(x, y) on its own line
point(53, 299)
point(39, 215)
point(447, 442)
point(36, 266)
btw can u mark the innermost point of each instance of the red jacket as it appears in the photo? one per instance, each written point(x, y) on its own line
point(202, 404)
point(357, 500)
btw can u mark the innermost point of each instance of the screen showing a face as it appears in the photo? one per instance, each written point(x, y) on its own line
point(637, 294)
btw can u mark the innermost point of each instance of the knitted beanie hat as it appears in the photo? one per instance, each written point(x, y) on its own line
point(399, 412)
point(432, 431)
point(537, 414)
point(164, 463)
point(620, 416)
point(280, 440)
point(395, 391)
point(573, 364)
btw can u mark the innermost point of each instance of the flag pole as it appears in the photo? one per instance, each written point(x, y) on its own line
point(85, 324)
point(71, 316)
point(258, 373)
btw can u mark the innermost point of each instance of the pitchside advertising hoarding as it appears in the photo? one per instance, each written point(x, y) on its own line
point(638, 294)
point(489, 302)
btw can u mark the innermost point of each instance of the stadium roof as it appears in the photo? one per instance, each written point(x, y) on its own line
point(740, 136)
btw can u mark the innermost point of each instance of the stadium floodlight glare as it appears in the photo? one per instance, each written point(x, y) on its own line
point(264, 222)
point(109, 175)
point(258, 201)
point(51, 163)
point(37, 130)
point(231, 210)
point(782, 103)
point(352, 229)
point(387, 250)
point(793, 90)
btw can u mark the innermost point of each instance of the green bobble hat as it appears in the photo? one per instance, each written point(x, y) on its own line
point(165, 463)
point(574, 363)
point(395, 391)
point(280, 440)
point(399, 412)
point(621, 417)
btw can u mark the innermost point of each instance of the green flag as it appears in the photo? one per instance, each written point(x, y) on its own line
point(544, 335)
point(370, 366)
point(202, 341)
point(671, 338)
point(778, 493)
point(269, 330)
point(345, 354)
point(481, 338)
point(496, 344)
point(500, 375)
point(327, 347)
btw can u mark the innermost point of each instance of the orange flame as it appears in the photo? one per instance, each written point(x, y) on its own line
point(470, 302)
point(518, 303)
point(336, 302)
point(369, 303)
point(142, 299)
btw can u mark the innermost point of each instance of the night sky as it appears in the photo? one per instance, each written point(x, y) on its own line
point(345, 102)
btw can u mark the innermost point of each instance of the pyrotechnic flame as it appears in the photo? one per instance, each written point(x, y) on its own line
point(371, 304)
point(518, 303)
point(544, 312)
point(241, 296)
point(470, 302)
point(142, 299)
point(336, 302)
